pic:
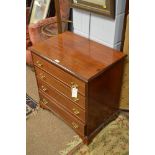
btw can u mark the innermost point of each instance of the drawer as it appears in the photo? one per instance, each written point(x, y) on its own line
point(64, 89)
point(68, 118)
point(58, 73)
point(62, 100)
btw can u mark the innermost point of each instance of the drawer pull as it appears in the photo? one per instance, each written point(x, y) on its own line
point(75, 99)
point(75, 111)
point(39, 64)
point(44, 101)
point(74, 85)
point(43, 88)
point(75, 125)
point(42, 77)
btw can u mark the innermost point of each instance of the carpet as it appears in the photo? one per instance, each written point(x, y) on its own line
point(111, 140)
point(31, 106)
point(46, 134)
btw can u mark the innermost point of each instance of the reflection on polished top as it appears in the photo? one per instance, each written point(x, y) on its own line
point(77, 55)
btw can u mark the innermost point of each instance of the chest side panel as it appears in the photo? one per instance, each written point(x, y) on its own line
point(103, 97)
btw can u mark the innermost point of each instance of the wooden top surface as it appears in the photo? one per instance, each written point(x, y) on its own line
point(79, 56)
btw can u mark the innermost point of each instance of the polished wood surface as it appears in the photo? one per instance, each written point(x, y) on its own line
point(59, 86)
point(63, 100)
point(68, 118)
point(77, 55)
point(58, 73)
point(58, 15)
point(103, 93)
point(94, 69)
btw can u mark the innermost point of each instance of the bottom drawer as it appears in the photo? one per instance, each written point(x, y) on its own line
point(69, 119)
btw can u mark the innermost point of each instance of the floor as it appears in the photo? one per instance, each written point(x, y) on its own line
point(46, 134)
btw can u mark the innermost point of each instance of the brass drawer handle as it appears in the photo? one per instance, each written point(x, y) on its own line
point(43, 88)
point(39, 64)
point(75, 111)
point(75, 99)
point(74, 85)
point(42, 77)
point(44, 101)
point(75, 125)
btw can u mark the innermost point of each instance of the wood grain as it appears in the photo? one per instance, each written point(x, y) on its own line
point(103, 96)
point(57, 109)
point(96, 69)
point(59, 86)
point(58, 15)
point(77, 55)
point(65, 102)
point(58, 73)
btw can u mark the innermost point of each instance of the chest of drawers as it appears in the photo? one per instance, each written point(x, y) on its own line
point(79, 80)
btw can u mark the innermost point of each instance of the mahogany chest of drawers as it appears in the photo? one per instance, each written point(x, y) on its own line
point(79, 80)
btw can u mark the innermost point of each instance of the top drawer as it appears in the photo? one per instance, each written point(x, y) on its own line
point(58, 73)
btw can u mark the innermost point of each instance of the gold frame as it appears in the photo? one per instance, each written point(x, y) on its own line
point(107, 9)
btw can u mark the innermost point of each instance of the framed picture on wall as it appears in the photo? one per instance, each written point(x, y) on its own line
point(39, 10)
point(104, 7)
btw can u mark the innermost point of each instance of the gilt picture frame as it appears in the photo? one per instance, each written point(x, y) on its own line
point(103, 7)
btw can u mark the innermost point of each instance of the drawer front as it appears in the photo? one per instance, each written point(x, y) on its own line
point(64, 89)
point(62, 100)
point(71, 120)
point(59, 73)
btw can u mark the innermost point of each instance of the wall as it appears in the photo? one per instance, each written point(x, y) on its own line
point(100, 28)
